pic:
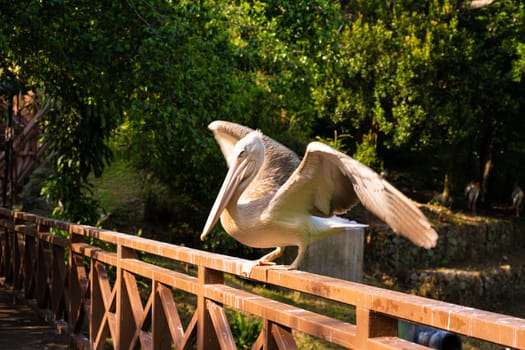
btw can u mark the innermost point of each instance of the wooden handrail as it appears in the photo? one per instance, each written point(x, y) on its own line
point(98, 307)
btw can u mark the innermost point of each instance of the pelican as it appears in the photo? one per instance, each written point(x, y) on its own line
point(272, 199)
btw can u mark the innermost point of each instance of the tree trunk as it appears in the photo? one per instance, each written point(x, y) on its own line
point(487, 170)
point(446, 189)
point(488, 161)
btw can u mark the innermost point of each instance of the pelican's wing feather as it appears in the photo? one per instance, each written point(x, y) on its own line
point(227, 134)
point(328, 182)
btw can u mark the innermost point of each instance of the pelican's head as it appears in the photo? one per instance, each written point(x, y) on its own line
point(246, 160)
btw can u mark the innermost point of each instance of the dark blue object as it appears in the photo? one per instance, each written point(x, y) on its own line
point(428, 336)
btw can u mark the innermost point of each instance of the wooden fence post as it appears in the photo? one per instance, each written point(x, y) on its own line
point(42, 268)
point(78, 285)
point(160, 327)
point(17, 247)
point(29, 266)
point(206, 335)
point(58, 281)
point(125, 320)
point(4, 252)
point(372, 324)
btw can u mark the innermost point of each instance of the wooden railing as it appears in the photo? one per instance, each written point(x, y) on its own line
point(108, 297)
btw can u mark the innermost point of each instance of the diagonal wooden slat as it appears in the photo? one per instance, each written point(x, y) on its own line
point(30, 266)
point(221, 326)
point(43, 274)
point(126, 301)
point(79, 287)
point(143, 332)
point(146, 340)
point(4, 249)
point(100, 333)
point(58, 282)
point(283, 338)
point(259, 342)
point(134, 296)
point(102, 306)
point(170, 315)
point(139, 312)
point(18, 266)
point(107, 294)
point(190, 336)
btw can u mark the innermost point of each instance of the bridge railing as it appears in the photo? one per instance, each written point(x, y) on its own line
point(95, 284)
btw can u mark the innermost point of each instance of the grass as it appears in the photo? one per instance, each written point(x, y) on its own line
point(118, 186)
point(119, 192)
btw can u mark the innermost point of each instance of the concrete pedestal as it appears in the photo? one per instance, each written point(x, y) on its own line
point(339, 256)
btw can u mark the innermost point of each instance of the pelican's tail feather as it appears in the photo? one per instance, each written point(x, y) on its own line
point(328, 226)
point(337, 222)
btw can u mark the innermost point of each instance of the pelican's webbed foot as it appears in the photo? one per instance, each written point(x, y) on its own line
point(247, 268)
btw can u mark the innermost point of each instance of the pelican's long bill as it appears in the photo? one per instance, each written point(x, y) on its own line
point(235, 175)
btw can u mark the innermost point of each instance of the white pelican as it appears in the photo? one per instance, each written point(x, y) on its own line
point(271, 199)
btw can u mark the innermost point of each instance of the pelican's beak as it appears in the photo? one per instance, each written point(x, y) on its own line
point(233, 178)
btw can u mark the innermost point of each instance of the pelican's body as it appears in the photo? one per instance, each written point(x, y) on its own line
point(271, 199)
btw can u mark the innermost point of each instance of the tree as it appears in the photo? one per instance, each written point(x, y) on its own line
point(73, 53)
point(416, 77)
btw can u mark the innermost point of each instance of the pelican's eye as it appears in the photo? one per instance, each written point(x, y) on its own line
point(242, 153)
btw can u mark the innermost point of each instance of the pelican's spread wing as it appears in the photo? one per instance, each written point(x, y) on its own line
point(328, 182)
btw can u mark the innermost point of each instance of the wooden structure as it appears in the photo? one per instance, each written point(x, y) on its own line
point(20, 142)
point(109, 297)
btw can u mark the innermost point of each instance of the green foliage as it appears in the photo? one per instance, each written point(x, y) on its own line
point(245, 329)
point(72, 53)
point(184, 77)
point(404, 79)
point(384, 80)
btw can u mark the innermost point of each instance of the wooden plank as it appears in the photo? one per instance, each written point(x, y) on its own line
point(53, 239)
point(112, 323)
point(393, 343)
point(30, 266)
point(58, 282)
point(207, 338)
point(190, 335)
point(283, 338)
point(171, 315)
point(99, 334)
point(145, 340)
point(145, 323)
point(165, 276)
point(126, 325)
point(107, 294)
point(320, 326)
point(100, 304)
point(221, 326)
point(259, 342)
point(95, 253)
point(133, 296)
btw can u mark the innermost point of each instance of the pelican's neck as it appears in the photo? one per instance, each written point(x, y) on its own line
point(233, 205)
point(238, 212)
